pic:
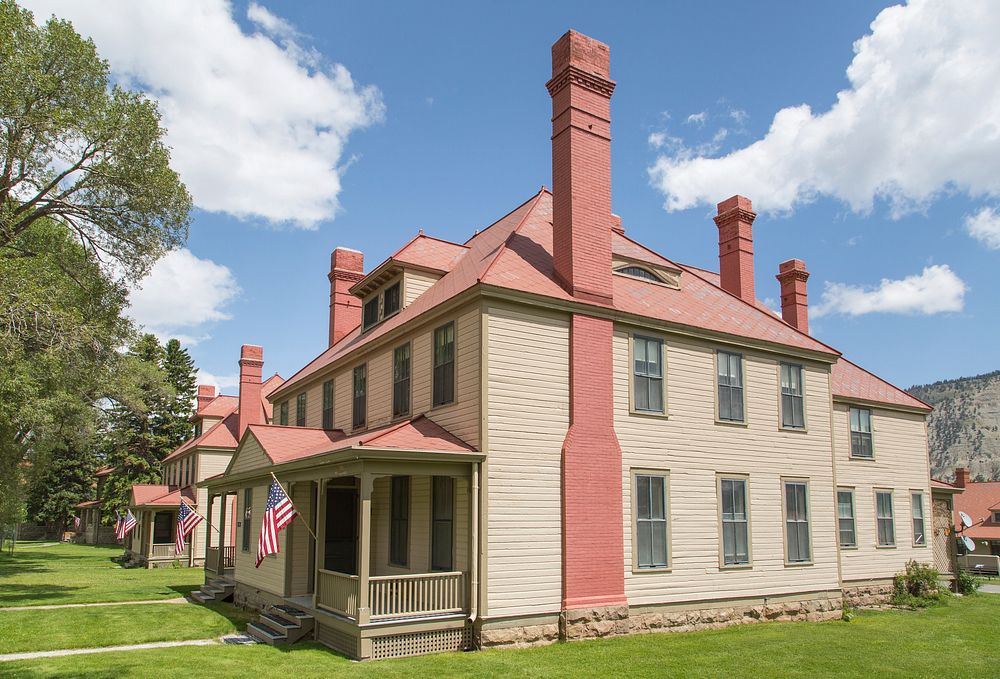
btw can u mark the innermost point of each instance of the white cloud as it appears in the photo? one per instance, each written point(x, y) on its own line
point(738, 115)
point(935, 290)
point(921, 117)
point(984, 226)
point(257, 123)
point(181, 294)
point(697, 118)
point(220, 382)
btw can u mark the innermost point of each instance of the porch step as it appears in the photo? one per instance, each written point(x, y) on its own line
point(266, 634)
point(281, 625)
point(214, 590)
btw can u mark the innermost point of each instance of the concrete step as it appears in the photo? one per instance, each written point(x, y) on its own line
point(266, 634)
point(290, 613)
point(201, 597)
point(279, 623)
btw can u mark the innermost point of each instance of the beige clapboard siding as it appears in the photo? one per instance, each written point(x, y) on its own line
point(416, 283)
point(249, 456)
point(528, 391)
point(299, 539)
point(208, 465)
point(270, 577)
point(901, 463)
point(693, 448)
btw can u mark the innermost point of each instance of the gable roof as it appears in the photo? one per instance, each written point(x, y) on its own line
point(851, 381)
point(160, 495)
point(220, 406)
point(515, 253)
point(979, 499)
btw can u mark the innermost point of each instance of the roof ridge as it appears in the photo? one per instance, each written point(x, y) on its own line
point(534, 196)
point(395, 427)
point(440, 240)
point(503, 246)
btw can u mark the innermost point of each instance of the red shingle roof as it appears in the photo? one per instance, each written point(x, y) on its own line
point(854, 382)
point(104, 471)
point(220, 406)
point(85, 505)
point(159, 495)
point(430, 253)
point(979, 500)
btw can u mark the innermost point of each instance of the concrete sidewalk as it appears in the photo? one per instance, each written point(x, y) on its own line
point(8, 657)
point(48, 607)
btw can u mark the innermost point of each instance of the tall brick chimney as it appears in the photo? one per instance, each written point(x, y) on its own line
point(962, 478)
point(251, 368)
point(347, 267)
point(735, 221)
point(794, 306)
point(592, 540)
point(581, 166)
point(206, 393)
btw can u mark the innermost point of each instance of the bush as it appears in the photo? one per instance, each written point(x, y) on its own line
point(966, 583)
point(917, 586)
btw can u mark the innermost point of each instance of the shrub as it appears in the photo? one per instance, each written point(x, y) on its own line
point(966, 583)
point(917, 586)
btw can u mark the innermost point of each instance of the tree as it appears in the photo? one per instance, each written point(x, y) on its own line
point(66, 479)
point(78, 151)
point(181, 377)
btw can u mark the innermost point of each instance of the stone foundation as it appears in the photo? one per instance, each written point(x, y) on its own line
point(519, 636)
point(593, 623)
point(668, 620)
point(254, 599)
point(870, 595)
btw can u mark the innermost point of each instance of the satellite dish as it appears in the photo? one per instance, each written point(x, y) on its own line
point(969, 544)
point(966, 519)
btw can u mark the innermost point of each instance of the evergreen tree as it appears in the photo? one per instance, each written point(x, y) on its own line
point(66, 479)
point(181, 376)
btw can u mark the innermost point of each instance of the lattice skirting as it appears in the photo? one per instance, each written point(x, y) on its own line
point(419, 643)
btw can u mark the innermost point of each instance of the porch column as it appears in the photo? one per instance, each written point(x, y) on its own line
point(223, 505)
point(473, 605)
point(320, 561)
point(208, 533)
point(364, 553)
point(149, 538)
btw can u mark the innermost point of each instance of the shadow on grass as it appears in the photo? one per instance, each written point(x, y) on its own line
point(12, 595)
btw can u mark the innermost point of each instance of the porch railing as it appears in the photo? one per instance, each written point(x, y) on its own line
point(167, 551)
point(399, 596)
point(212, 559)
point(229, 556)
point(337, 592)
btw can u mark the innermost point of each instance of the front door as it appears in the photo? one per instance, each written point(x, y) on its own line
point(341, 549)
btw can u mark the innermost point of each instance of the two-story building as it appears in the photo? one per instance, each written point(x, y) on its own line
point(218, 422)
point(551, 431)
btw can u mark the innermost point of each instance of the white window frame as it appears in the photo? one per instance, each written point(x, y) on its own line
point(853, 517)
point(798, 522)
point(860, 431)
point(801, 395)
point(914, 494)
point(719, 353)
point(634, 495)
point(892, 517)
point(648, 337)
point(745, 479)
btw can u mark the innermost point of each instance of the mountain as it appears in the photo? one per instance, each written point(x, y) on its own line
point(964, 429)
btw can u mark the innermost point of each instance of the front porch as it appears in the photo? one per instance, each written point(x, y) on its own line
point(152, 542)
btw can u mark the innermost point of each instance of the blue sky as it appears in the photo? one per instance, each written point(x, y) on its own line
point(443, 124)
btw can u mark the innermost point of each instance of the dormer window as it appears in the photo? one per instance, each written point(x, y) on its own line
point(639, 272)
point(381, 306)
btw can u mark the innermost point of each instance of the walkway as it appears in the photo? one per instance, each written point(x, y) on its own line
point(178, 600)
point(105, 649)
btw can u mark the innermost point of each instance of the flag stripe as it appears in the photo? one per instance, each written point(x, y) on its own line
point(278, 513)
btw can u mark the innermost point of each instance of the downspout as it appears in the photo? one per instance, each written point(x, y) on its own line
point(474, 561)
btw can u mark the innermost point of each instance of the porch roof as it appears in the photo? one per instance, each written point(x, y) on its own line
point(160, 495)
point(88, 504)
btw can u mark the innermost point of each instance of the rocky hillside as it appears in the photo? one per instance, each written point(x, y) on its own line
point(964, 429)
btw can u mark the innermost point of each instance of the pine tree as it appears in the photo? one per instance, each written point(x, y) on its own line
point(181, 376)
point(66, 479)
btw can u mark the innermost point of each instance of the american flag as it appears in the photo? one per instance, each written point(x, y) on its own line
point(128, 523)
point(119, 526)
point(278, 513)
point(187, 519)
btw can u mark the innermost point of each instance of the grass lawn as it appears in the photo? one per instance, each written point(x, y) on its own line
point(54, 629)
point(73, 574)
point(958, 639)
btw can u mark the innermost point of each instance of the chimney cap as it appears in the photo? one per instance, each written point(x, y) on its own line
point(792, 268)
point(347, 259)
point(252, 352)
point(580, 51)
point(206, 390)
point(734, 202)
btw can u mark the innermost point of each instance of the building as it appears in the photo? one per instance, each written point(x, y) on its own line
point(218, 422)
point(551, 431)
point(981, 501)
point(91, 531)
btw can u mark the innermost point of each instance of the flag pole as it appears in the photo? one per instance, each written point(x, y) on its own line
point(293, 507)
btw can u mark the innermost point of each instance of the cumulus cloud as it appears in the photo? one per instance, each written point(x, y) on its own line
point(181, 295)
point(937, 289)
point(984, 226)
point(921, 117)
point(697, 118)
point(257, 121)
point(220, 382)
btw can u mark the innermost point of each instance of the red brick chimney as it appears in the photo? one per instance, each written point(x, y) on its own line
point(962, 478)
point(592, 539)
point(794, 306)
point(251, 368)
point(347, 267)
point(581, 166)
point(206, 393)
point(735, 221)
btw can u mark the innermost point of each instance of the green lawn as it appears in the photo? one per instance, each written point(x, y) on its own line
point(954, 640)
point(72, 574)
point(53, 629)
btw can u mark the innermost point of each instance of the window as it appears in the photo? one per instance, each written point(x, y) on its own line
point(730, 370)
point(371, 312)
point(650, 521)
point(300, 410)
point(883, 518)
point(735, 522)
point(861, 433)
point(443, 528)
point(647, 374)
point(917, 508)
point(328, 404)
point(797, 522)
point(283, 413)
point(792, 401)
point(444, 364)
point(996, 517)
point(639, 272)
point(390, 300)
point(163, 528)
point(197, 428)
point(360, 395)
point(247, 506)
point(401, 381)
point(845, 518)
point(399, 526)
point(187, 471)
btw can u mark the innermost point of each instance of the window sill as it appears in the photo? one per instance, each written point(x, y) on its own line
point(732, 423)
point(848, 548)
point(443, 405)
point(794, 430)
point(799, 564)
point(649, 413)
point(658, 569)
point(885, 546)
point(861, 458)
point(919, 545)
point(737, 567)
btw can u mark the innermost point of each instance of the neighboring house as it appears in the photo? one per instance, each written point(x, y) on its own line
point(91, 514)
point(552, 431)
point(981, 501)
point(217, 424)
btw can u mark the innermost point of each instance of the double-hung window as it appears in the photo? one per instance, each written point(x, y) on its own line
point(647, 374)
point(328, 404)
point(917, 508)
point(360, 415)
point(846, 526)
point(792, 399)
point(443, 523)
point(797, 522)
point(401, 381)
point(247, 508)
point(390, 301)
point(300, 410)
point(399, 523)
point(730, 371)
point(444, 364)
point(370, 312)
point(735, 522)
point(884, 519)
point(283, 413)
point(861, 433)
point(650, 521)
